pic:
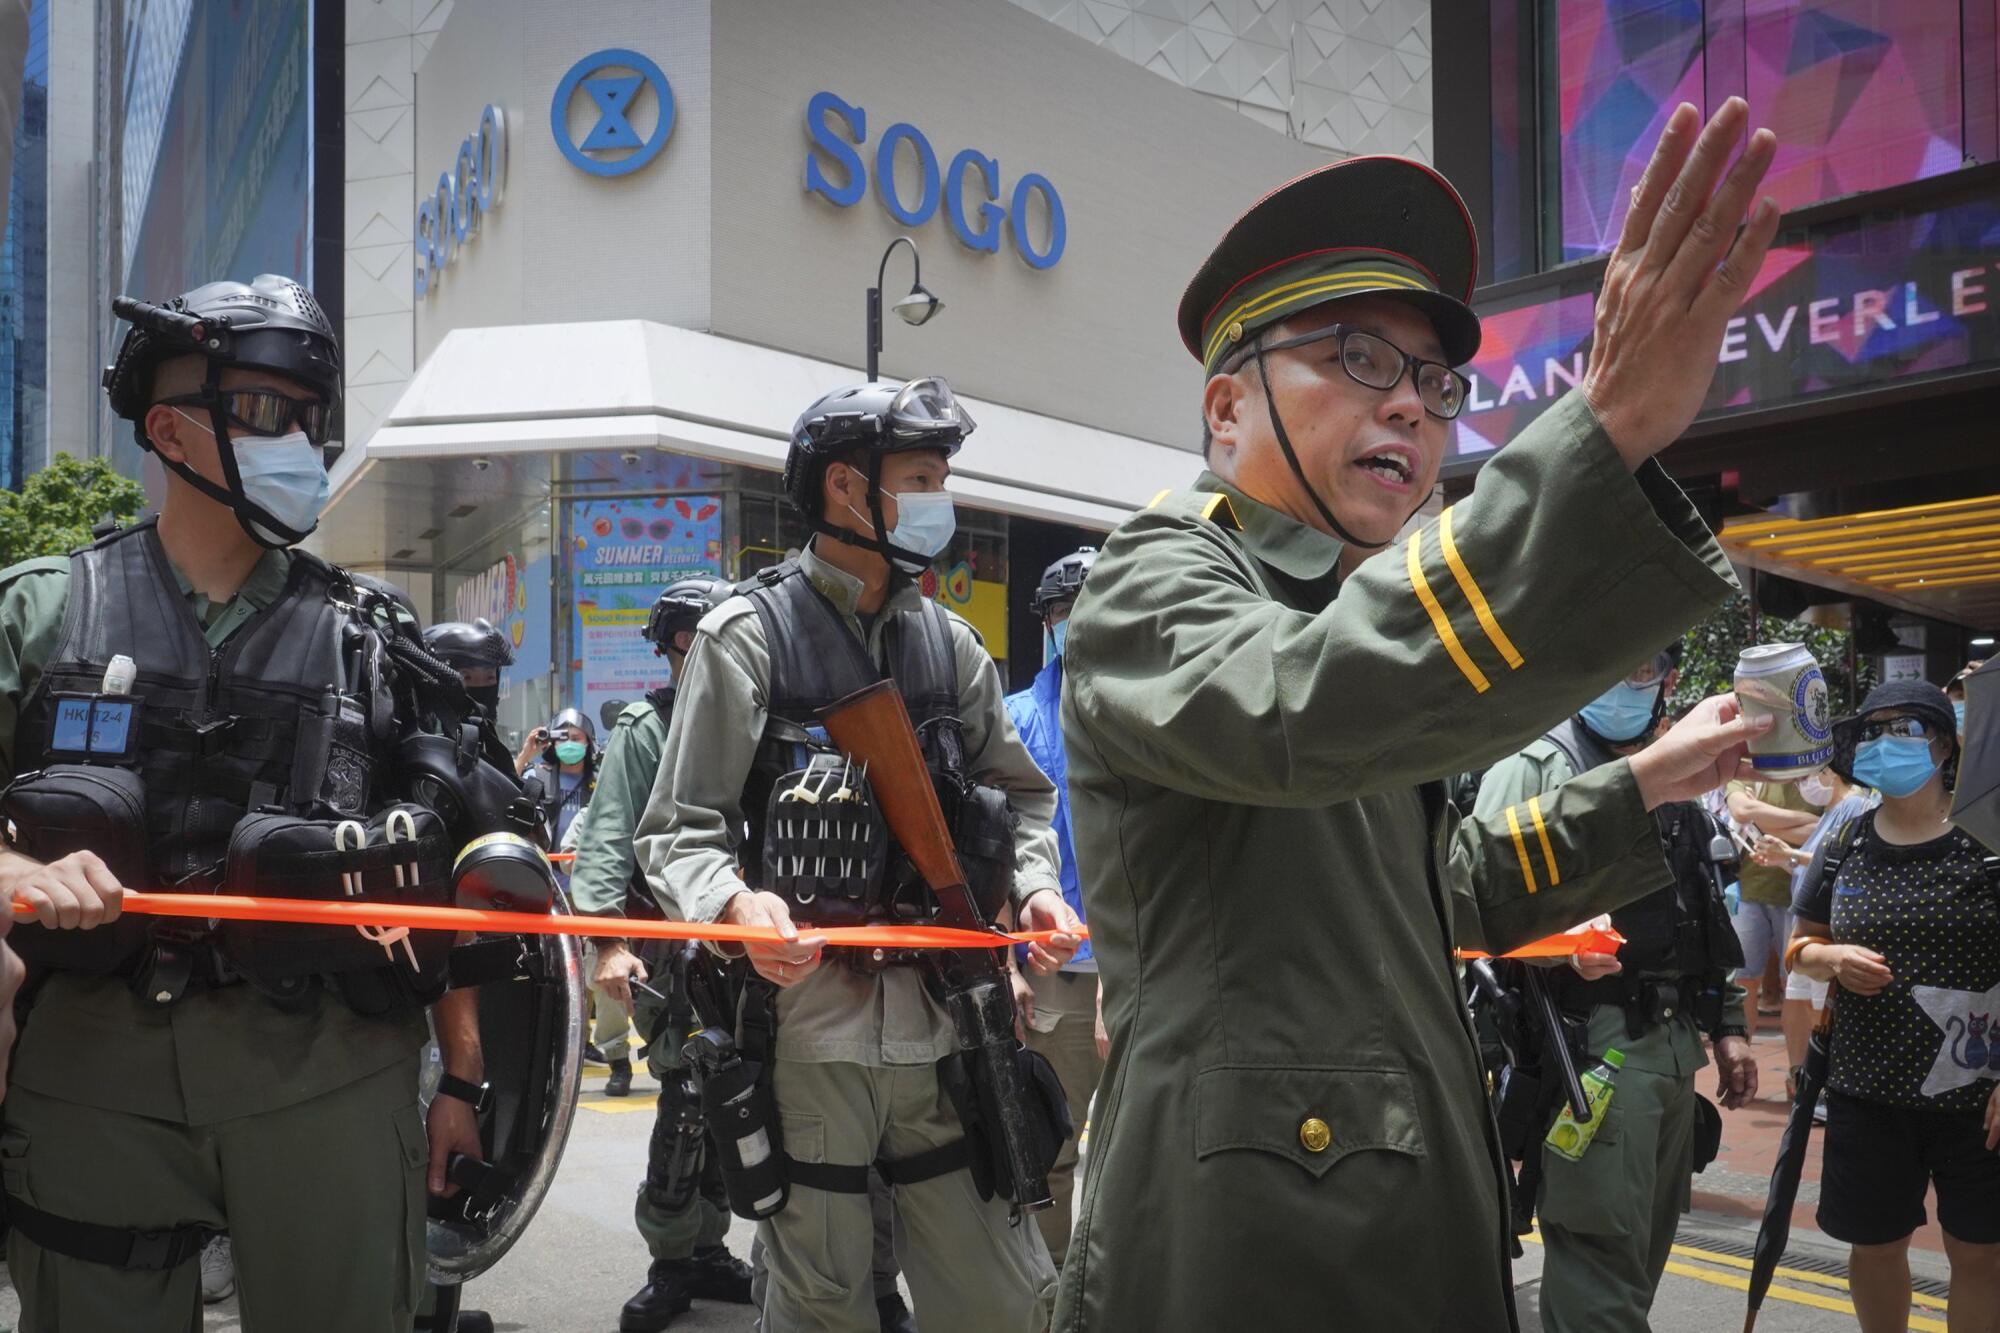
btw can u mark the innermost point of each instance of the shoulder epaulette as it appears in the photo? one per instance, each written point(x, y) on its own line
point(1210, 506)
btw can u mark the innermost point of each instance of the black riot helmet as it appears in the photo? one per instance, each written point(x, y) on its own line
point(878, 417)
point(270, 323)
point(1063, 580)
point(466, 645)
point(474, 646)
point(681, 607)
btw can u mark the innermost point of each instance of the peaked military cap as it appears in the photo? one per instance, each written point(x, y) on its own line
point(1378, 225)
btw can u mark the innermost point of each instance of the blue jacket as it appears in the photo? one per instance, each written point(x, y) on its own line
point(1037, 715)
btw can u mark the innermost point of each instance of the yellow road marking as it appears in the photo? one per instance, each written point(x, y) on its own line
point(1797, 1274)
point(1778, 1291)
point(615, 1105)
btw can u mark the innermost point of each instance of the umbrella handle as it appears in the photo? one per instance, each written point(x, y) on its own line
point(1552, 1025)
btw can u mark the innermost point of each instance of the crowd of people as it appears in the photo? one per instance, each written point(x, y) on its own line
point(1293, 746)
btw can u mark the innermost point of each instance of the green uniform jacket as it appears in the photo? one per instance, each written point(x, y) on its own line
point(603, 832)
point(1292, 1132)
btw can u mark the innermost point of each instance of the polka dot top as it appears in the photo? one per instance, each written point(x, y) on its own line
point(1932, 1037)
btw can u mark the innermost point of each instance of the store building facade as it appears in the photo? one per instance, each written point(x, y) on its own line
point(639, 241)
point(1846, 453)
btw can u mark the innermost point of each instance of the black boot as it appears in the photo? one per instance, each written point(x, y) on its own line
point(620, 1082)
point(669, 1291)
point(721, 1276)
point(895, 1316)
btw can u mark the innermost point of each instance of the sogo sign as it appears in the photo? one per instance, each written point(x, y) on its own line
point(947, 187)
point(450, 216)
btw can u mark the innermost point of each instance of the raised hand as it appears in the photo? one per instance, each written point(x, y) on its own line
point(1679, 272)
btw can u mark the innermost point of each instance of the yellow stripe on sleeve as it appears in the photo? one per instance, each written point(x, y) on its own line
point(1470, 587)
point(1521, 849)
point(1542, 833)
point(1439, 621)
point(1154, 503)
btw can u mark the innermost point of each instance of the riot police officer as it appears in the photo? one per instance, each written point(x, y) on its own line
point(1063, 1008)
point(681, 1211)
point(191, 703)
point(864, 1058)
point(1608, 1219)
point(478, 652)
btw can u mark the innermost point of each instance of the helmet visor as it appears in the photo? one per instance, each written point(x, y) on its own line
point(1652, 673)
point(928, 407)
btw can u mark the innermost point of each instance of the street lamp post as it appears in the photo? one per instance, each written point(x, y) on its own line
point(914, 309)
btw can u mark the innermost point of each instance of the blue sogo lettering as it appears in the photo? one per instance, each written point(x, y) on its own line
point(885, 174)
point(992, 216)
point(450, 216)
point(830, 153)
point(1017, 218)
point(840, 151)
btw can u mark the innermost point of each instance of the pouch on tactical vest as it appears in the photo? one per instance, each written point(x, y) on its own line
point(69, 808)
point(400, 855)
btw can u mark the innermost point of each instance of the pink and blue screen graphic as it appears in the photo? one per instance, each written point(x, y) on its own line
point(1527, 358)
point(1862, 94)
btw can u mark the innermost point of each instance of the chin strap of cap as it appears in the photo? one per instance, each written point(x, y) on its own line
point(1291, 457)
point(250, 515)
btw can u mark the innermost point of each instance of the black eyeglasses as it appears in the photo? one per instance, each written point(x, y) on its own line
point(265, 411)
point(1914, 727)
point(1372, 360)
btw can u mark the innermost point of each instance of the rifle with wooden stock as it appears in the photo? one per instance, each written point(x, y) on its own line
point(872, 728)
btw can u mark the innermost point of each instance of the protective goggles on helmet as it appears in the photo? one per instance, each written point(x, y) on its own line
point(928, 407)
point(264, 411)
point(1652, 673)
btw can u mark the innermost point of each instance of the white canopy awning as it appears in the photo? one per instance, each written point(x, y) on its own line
point(632, 385)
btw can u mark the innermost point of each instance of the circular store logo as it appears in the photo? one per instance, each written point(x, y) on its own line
point(612, 86)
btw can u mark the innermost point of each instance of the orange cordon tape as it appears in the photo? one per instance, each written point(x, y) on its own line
point(1560, 946)
point(298, 911)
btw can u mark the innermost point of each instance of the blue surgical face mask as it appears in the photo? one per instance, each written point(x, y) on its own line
point(1894, 765)
point(1056, 637)
point(1958, 710)
point(1622, 713)
point(283, 475)
point(926, 521)
point(571, 752)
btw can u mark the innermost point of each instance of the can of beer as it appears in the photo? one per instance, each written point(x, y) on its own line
point(1783, 682)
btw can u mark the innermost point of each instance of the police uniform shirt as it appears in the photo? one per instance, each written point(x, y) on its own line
point(602, 834)
point(688, 834)
point(217, 1054)
point(1674, 1049)
point(1930, 911)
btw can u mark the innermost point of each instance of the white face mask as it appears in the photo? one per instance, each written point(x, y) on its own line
point(283, 475)
point(926, 521)
point(1816, 789)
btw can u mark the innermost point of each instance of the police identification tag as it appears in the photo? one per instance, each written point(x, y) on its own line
point(95, 726)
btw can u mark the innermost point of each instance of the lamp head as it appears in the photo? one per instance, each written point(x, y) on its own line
point(918, 306)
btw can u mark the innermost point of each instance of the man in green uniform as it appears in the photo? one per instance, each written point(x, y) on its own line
point(222, 1090)
point(1292, 1129)
point(684, 1220)
point(859, 1068)
point(1608, 1218)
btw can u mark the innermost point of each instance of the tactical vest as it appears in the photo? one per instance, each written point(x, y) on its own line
point(1678, 932)
point(817, 660)
point(272, 719)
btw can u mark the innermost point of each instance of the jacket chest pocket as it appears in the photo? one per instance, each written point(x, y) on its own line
point(1314, 1116)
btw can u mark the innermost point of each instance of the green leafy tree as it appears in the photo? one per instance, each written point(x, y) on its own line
point(56, 508)
point(1709, 652)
